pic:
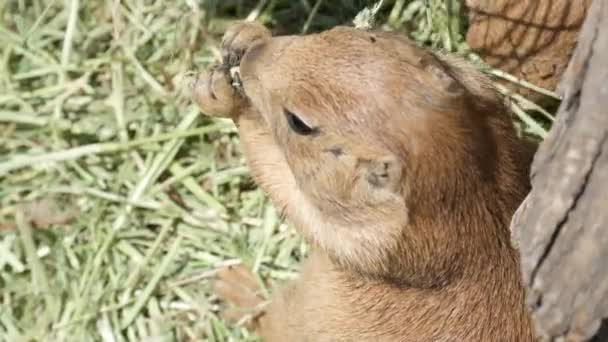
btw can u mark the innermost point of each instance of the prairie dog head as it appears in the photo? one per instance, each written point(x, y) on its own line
point(376, 149)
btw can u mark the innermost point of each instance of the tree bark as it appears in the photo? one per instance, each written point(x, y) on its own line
point(530, 39)
point(561, 229)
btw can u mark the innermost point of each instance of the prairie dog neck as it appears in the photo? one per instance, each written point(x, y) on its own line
point(371, 310)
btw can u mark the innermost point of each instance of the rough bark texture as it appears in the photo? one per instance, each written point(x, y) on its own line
point(531, 39)
point(562, 227)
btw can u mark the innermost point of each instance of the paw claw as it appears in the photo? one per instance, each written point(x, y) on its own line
point(239, 38)
point(218, 92)
point(214, 93)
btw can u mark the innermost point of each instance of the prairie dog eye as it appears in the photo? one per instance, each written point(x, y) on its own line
point(298, 125)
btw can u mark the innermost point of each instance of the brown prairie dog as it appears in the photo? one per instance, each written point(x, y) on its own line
point(400, 167)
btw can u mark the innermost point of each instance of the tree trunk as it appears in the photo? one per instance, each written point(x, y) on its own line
point(530, 39)
point(562, 227)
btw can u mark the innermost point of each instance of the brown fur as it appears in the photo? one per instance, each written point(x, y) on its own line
point(405, 190)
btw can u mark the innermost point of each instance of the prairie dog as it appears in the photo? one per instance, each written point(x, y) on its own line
point(400, 167)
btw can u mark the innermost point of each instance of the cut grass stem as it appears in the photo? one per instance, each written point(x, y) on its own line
point(21, 161)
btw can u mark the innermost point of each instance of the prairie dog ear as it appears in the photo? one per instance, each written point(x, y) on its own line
point(441, 77)
point(384, 173)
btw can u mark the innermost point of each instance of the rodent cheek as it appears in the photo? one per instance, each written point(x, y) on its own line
point(309, 169)
point(336, 176)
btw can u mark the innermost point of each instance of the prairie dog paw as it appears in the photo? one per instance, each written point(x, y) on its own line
point(214, 93)
point(237, 286)
point(240, 37)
